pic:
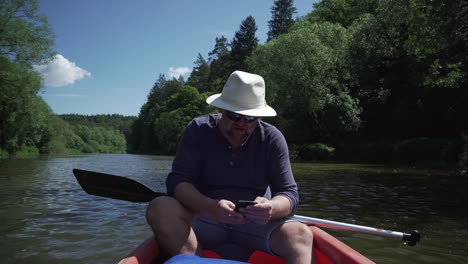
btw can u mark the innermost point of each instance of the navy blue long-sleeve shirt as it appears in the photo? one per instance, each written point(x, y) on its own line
point(205, 159)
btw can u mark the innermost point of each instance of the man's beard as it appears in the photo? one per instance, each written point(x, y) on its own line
point(239, 137)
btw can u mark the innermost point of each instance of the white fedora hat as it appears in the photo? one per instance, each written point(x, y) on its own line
point(243, 93)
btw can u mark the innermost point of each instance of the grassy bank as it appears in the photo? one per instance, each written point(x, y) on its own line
point(439, 152)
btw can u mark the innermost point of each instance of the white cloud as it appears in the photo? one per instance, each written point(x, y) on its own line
point(60, 72)
point(177, 72)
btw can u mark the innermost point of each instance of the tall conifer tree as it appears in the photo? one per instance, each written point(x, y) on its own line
point(220, 49)
point(200, 74)
point(220, 64)
point(281, 18)
point(244, 43)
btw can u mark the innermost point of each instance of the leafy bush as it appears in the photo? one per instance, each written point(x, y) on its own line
point(26, 152)
point(54, 146)
point(293, 152)
point(463, 160)
point(316, 152)
point(452, 151)
point(360, 150)
point(3, 154)
point(420, 149)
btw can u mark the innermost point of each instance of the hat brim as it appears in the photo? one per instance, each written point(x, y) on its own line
point(216, 101)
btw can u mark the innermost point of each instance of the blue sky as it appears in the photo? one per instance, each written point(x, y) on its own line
point(110, 52)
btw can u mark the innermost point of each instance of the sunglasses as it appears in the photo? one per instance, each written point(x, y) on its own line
point(236, 117)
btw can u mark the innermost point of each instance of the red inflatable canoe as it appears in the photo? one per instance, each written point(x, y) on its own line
point(326, 250)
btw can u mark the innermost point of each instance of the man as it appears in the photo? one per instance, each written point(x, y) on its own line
point(224, 158)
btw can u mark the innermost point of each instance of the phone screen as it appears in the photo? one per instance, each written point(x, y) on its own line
point(243, 203)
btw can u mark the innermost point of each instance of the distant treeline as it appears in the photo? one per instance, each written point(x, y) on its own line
point(82, 135)
point(354, 80)
point(114, 121)
point(117, 123)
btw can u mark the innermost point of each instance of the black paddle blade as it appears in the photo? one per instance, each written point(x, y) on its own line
point(115, 187)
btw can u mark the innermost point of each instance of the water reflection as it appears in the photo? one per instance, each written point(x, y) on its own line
point(47, 218)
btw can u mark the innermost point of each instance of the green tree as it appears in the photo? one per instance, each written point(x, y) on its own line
point(220, 64)
point(22, 112)
point(243, 44)
point(220, 49)
point(410, 59)
point(143, 139)
point(343, 12)
point(308, 78)
point(281, 18)
point(25, 40)
point(25, 35)
point(182, 107)
point(200, 75)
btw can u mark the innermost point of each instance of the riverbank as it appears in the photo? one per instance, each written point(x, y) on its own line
point(450, 153)
point(419, 151)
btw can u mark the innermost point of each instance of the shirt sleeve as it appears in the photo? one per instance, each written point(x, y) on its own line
point(186, 164)
point(281, 176)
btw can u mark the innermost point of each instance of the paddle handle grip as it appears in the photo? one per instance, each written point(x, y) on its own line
point(413, 238)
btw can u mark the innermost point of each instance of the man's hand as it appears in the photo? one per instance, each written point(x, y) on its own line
point(259, 213)
point(224, 212)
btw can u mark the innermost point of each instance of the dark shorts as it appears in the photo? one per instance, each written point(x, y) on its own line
point(235, 241)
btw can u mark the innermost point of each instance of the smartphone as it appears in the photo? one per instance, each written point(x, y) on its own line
point(243, 203)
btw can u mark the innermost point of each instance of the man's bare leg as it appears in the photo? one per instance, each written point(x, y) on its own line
point(293, 241)
point(171, 225)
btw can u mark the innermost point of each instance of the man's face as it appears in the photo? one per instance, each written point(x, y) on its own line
point(237, 127)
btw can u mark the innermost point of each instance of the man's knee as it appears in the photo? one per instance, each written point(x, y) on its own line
point(303, 233)
point(171, 225)
point(165, 207)
point(162, 206)
point(296, 232)
point(159, 204)
point(293, 241)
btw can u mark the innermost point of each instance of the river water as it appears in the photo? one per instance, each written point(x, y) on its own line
point(47, 218)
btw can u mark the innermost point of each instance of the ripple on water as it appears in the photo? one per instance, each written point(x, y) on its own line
point(48, 218)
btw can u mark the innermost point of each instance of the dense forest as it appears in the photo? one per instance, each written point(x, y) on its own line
point(354, 81)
